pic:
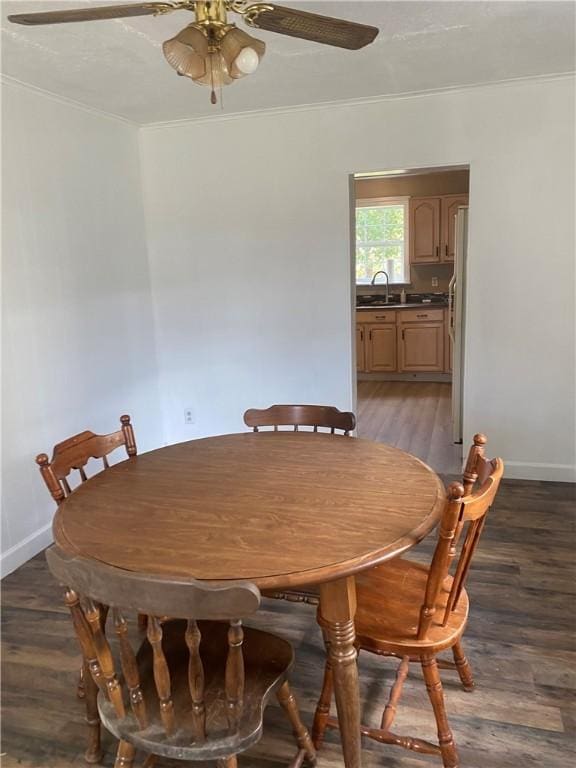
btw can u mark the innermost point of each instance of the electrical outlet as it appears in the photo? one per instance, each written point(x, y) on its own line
point(188, 416)
point(434, 282)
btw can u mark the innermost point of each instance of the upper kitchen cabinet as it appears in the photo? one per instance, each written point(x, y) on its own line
point(448, 210)
point(432, 228)
point(424, 230)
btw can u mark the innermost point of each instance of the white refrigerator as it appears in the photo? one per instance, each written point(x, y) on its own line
point(456, 319)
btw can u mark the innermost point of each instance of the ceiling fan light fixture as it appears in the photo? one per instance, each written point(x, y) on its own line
point(241, 52)
point(188, 53)
point(213, 57)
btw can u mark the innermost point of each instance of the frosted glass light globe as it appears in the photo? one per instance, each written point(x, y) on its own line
point(247, 61)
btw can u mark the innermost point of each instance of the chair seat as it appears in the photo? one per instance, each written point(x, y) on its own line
point(389, 600)
point(267, 659)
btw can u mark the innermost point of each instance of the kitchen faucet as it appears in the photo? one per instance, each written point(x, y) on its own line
point(381, 272)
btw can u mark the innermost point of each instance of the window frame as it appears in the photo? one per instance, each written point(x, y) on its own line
point(380, 202)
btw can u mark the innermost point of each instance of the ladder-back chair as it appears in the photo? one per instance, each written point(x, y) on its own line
point(414, 612)
point(75, 453)
point(197, 688)
point(315, 418)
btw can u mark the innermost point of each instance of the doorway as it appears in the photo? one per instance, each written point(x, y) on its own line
point(409, 248)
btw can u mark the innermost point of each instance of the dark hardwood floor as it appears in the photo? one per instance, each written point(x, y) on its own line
point(412, 415)
point(520, 641)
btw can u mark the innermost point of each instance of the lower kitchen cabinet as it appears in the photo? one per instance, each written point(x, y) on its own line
point(381, 347)
point(421, 347)
point(402, 341)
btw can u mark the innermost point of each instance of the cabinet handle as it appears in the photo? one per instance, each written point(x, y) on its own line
point(370, 335)
point(402, 334)
point(362, 335)
point(421, 315)
point(446, 246)
point(437, 251)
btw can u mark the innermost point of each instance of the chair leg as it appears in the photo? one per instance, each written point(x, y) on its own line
point(125, 755)
point(288, 704)
point(80, 692)
point(463, 667)
point(228, 762)
point(436, 694)
point(323, 707)
point(93, 752)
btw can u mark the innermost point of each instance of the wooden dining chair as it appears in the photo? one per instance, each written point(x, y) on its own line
point(315, 417)
point(414, 612)
point(197, 687)
point(75, 453)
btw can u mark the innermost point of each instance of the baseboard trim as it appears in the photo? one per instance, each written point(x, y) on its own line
point(20, 553)
point(528, 470)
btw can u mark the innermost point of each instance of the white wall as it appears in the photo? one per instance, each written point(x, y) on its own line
point(248, 239)
point(77, 317)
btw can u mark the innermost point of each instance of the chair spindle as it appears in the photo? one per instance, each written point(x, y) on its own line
point(440, 561)
point(130, 669)
point(105, 659)
point(161, 675)
point(84, 635)
point(196, 679)
point(234, 675)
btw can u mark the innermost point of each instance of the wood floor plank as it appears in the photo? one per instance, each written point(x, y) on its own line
point(414, 416)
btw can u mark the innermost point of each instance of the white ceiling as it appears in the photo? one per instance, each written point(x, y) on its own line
point(117, 66)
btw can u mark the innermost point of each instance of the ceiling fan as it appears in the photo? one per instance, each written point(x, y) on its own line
point(212, 50)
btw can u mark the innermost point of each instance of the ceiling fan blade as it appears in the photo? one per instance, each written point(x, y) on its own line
point(309, 26)
point(95, 14)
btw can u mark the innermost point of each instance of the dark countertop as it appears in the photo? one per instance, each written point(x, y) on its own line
point(412, 305)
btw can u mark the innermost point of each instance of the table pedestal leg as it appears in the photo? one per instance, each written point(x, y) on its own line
point(337, 608)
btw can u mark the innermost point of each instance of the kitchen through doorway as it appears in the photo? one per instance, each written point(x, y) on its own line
point(409, 248)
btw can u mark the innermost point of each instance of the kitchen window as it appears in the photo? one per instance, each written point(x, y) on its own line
point(382, 240)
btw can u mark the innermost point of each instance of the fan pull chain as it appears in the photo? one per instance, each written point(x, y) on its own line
point(213, 98)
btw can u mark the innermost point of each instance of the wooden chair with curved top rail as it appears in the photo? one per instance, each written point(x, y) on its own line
point(296, 416)
point(414, 612)
point(316, 417)
point(197, 687)
point(73, 454)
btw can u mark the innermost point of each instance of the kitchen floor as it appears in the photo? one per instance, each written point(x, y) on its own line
point(414, 416)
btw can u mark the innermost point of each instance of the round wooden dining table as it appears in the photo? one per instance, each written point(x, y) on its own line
point(280, 509)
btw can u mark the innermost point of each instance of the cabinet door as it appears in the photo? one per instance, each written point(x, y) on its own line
point(449, 209)
point(424, 230)
point(421, 347)
point(360, 349)
point(381, 347)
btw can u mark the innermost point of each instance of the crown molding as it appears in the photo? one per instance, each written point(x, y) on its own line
point(14, 82)
point(273, 111)
point(347, 103)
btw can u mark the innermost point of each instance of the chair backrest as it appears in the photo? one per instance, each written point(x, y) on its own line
point(478, 467)
point(461, 524)
point(101, 585)
point(315, 416)
point(75, 452)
